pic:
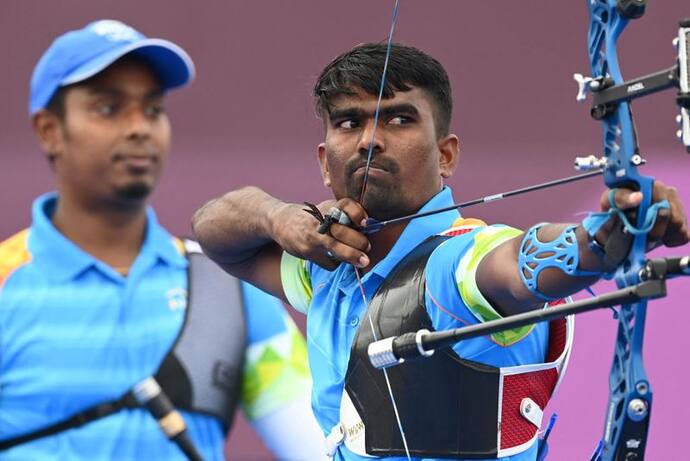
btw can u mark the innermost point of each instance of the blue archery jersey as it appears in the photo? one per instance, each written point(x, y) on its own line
point(335, 308)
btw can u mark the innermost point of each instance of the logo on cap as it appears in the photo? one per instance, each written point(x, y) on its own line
point(114, 30)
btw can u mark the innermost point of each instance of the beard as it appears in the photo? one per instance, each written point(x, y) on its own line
point(383, 203)
point(138, 190)
point(383, 198)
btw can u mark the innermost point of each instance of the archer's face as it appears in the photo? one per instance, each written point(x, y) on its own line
point(408, 162)
point(114, 138)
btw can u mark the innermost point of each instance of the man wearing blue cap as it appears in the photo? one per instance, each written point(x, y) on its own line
point(105, 317)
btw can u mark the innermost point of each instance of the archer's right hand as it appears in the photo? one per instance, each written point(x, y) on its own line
point(297, 233)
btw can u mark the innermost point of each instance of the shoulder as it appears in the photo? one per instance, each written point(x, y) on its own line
point(452, 266)
point(460, 237)
point(14, 253)
point(462, 226)
point(473, 238)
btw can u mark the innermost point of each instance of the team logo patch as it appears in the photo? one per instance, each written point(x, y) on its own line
point(114, 30)
point(177, 299)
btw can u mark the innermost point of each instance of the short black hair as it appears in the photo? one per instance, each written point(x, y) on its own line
point(361, 68)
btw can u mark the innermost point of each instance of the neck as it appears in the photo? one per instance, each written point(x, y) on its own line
point(111, 234)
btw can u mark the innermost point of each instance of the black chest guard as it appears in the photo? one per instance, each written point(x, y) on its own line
point(448, 406)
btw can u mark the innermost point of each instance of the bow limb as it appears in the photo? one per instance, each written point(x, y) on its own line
point(630, 394)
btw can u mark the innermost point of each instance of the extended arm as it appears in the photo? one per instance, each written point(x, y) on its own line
point(498, 275)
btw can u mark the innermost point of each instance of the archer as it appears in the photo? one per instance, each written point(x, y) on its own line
point(390, 161)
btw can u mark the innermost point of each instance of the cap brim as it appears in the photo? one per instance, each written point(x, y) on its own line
point(170, 63)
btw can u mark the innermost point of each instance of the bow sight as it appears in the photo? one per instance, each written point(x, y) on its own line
point(606, 96)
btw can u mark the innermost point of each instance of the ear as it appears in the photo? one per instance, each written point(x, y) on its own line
point(449, 147)
point(323, 163)
point(48, 128)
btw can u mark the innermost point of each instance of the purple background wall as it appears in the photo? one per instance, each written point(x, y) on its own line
point(248, 119)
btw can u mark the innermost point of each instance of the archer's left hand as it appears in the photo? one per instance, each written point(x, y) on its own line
point(671, 225)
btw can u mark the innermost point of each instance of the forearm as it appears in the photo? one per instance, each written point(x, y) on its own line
point(510, 286)
point(238, 225)
point(499, 280)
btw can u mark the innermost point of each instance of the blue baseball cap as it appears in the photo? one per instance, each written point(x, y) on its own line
point(80, 54)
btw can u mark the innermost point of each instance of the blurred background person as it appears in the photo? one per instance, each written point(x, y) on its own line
point(96, 296)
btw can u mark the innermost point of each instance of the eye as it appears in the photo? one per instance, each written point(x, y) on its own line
point(106, 109)
point(154, 110)
point(347, 124)
point(400, 120)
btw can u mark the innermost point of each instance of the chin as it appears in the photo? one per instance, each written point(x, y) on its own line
point(385, 206)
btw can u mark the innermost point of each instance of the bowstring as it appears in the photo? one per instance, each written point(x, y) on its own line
point(370, 152)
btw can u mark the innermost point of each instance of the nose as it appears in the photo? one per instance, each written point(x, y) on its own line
point(138, 124)
point(370, 137)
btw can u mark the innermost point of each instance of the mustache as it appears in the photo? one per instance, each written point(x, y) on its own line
point(121, 155)
point(381, 163)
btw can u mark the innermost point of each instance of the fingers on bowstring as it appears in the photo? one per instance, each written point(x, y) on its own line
point(346, 253)
point(351, 237)
point(344, 242)
point(320, 251)
point(354, 211)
